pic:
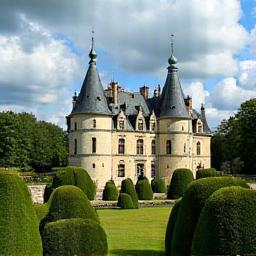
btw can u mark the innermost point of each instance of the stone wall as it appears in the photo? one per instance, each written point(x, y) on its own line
point(37, 193)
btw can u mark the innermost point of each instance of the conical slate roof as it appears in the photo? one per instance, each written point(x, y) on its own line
point(91, 98)
point(172, 100)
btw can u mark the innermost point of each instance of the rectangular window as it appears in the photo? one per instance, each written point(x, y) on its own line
point(140, 147)
point(121, 124)
point(93, 145)
point(94, 123)
point(153, 170)
point(121, 146)
point(153, 126)
point(121, 170)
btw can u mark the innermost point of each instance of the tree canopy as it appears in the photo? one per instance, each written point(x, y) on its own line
point(234, 142)
point(26, 142)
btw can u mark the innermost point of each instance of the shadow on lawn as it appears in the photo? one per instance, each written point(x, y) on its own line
point(137, 252)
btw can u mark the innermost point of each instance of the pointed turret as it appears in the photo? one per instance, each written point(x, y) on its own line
point(172, 101)
point(91, 98)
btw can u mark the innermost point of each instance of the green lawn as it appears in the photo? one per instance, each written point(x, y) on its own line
point(135, 232)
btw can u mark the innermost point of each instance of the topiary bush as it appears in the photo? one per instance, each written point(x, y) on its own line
point(158, 186)
point(144, 190)
point(128, 187)
point(77, 176)
point(125, 201)
point(110, 192)
point(190, 208)
point(47, 192)
point(18, 221)
point(205, 173)
point(74, 237)
point(181, 178)
point(67, 202)
point(170, 227)
point(230, 214)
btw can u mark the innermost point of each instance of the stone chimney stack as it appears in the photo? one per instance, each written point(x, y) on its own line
point(144, 90)
point(74, 99)
point(188, 102)
point(114, 89)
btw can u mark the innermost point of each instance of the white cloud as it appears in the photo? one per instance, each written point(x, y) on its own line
point(197, 92)
point(227, 95)
point(247, 74)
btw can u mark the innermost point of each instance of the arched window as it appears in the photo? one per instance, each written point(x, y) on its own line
point(93, 145)
point(168, 147)
point(94, 123)
point(198, 148)
point(75, 146)
point(121, 146)
point(75, 126)
point(153, 170)
point(121, 170)
point(139, 147)
point(153, 147)
point(140, 124)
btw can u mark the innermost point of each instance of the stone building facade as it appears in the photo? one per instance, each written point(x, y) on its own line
point(115, 134)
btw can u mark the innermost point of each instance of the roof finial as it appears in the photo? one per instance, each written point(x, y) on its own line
point(92, 53)
point(172, 35)
point(172, 60)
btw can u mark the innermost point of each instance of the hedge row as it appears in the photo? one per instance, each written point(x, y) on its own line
point(205, 173)
point(190, 208)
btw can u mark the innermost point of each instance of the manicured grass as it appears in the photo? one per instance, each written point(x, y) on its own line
point(135, 232)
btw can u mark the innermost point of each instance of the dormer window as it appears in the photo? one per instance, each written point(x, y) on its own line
point(140, 125)
point(94, 123)
point(121, 124)
point(153, 126)
point(199, 127)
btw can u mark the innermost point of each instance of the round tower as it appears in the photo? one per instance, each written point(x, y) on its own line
point(90, 124)
point(175, 135)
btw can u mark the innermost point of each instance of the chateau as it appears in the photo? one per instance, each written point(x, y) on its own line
point(115, 134)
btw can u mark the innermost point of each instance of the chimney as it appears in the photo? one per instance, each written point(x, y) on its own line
point(188, 102)
point(74, 99)
point(158, 91)
point(144, 91)
point(114, 89)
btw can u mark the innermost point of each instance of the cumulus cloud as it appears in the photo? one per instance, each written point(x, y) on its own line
point(227, 95)
point(247, 74)
point(138, 34)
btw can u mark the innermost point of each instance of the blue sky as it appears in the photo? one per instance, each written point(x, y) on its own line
point(44, 49)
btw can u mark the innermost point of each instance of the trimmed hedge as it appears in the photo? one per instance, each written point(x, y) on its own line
point(230, 214)
point(158, 186)
point(170, 227)
point(128, 187)
point(18, 221)
point(205, 173)
point(74, 237)
point(191, 206)
point(144, 190)
point(67, 202)
point(47, 192)
point(110, 192)
point(77, 176)
point(181, 178)
point(125, 201)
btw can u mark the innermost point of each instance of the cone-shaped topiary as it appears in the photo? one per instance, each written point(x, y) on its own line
point(205, 173)
point(181, 178)
point(128, 187)
point(158, 186)
point(68, 202)
point(125, 201)
point(190, 208)
point(47, 192)
point(76, 176)
point(228, 218)
point(18, 221)
point(74, 237)
point(110, 192)
point(144, 190)
point(170, 227)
